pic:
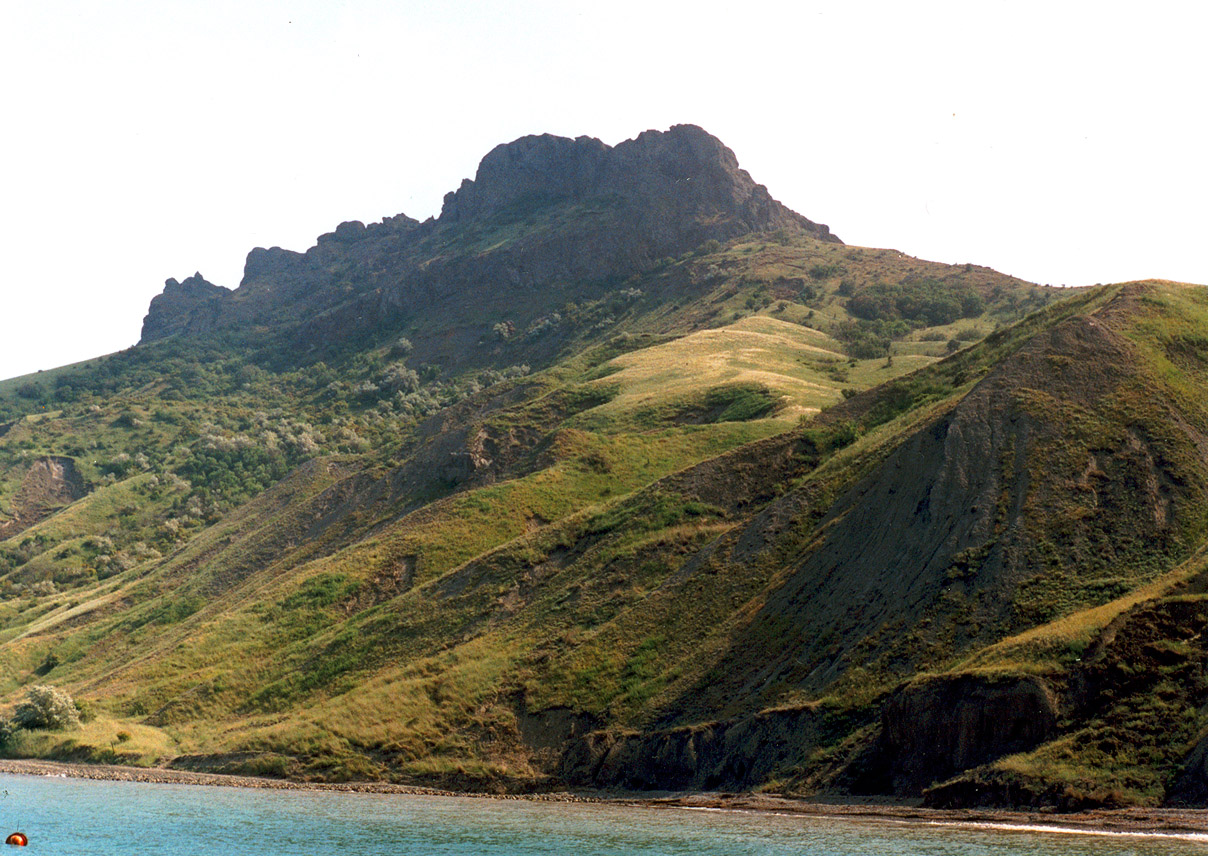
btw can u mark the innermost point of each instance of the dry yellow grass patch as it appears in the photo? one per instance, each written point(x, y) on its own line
point(804, 366)
point(757, 349)
point(102, 740)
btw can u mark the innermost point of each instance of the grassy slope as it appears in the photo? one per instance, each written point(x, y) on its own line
point(330, 627)
point(1131, 670)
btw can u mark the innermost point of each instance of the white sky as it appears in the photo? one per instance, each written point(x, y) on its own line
point(1060, 142)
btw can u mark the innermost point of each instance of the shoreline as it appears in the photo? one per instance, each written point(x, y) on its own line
point(1176, 822)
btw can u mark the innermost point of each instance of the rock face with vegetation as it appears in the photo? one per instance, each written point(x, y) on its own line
point(621, 474)
point(544, 214)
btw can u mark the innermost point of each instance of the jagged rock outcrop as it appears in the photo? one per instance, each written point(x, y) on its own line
point(590, 213)
point(193, 307)
point(680, 179)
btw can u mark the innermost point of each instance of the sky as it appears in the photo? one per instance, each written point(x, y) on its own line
point(1061, 142)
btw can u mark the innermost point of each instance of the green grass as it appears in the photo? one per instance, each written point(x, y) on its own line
point(382, 610)
point(102, 741)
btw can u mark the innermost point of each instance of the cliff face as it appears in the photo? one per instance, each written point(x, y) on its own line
point(540, 210)
point(676, 182)
point(727, 755)
point(934, 728)
point(192, 307)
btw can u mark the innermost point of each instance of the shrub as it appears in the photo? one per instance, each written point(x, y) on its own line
point(867, 340)
point(826, 271)
point(86, 711)
point(46, 707)
point(926, 302)
point(972, 304)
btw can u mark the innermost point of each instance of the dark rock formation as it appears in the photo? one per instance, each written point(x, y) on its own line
point(680, 178)
point(1191, 787)
point(273, 263)
point(547, 733)
point(729, 755)
point(1141, 687)
point(934, 728)
point(589, 213)
point(533, 168)
point(193, 307)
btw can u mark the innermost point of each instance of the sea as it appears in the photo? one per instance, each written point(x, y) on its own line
point(80, 816)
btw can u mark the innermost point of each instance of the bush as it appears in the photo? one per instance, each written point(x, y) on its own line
point(46, 707)
point(86, 711)
point(926, 302)
point(868, 340)
point(826, 271)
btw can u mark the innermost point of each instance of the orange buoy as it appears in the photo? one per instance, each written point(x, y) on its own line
point(17, 839)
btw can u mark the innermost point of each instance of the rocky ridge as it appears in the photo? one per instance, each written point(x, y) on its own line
point(589, 212)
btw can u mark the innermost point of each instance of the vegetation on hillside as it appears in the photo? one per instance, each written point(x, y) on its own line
point(668, 500)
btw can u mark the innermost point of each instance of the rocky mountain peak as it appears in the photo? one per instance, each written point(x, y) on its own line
point(535, 166)
point(684, 170)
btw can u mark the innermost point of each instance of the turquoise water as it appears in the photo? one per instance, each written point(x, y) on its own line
point(76, 816)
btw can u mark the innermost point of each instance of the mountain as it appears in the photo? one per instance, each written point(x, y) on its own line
point(619, 474)
point(545, 217)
